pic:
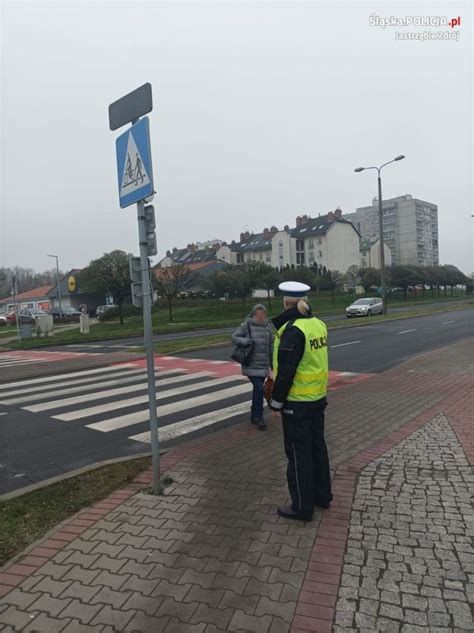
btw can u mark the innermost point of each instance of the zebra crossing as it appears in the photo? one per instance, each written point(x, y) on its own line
point(20, 357)
point(114, 399)
point(13, 360)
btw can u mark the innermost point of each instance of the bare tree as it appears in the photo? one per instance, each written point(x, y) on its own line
point(170, 282)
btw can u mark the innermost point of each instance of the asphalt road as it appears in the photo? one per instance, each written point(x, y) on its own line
point(114, 345)
point(54, 424)
point(375, 347)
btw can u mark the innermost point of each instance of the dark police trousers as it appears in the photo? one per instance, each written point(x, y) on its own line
point(309, 479)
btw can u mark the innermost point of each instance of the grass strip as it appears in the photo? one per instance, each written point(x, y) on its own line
point(26, 518)
point(202, 316)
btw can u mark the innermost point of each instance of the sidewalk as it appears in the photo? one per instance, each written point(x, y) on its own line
point(394, 552)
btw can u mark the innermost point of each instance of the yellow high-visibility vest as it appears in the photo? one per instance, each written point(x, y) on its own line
point(311, 379)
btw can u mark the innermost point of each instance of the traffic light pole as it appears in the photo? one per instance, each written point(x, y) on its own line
point(148, 337)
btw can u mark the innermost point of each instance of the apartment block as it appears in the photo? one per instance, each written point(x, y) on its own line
point(410, 228)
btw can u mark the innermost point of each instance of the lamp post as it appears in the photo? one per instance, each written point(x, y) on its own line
point(381, 241)
point(56, 257)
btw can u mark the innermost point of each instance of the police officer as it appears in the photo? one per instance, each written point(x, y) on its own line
point(300, 365)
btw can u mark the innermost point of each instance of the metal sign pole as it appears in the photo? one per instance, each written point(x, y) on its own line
point(135, 184)
point(148, 337)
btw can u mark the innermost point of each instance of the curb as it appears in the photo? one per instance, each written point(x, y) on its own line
point(316, 606)
point(73, 473)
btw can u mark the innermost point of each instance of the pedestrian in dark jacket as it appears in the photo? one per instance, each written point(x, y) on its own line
point(256, 332)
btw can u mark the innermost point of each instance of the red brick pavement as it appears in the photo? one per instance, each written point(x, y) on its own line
point(316, 607)
point(414, 393)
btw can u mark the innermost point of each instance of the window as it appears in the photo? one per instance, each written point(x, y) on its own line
point(311, 244)
point(320, 241)
point(320, 253)
point(311, 258)
point(240, 258)
point(280, 252)
point(300, 259)
point(268, 256)
point(300, 245)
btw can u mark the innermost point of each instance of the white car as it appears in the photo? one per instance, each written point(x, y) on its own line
point(365, 307)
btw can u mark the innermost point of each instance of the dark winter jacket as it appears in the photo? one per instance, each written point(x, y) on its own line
point(262, 337)
point(290, 353)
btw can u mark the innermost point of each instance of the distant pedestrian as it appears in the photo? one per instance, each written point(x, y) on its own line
point(300, 364)
point(255, 337)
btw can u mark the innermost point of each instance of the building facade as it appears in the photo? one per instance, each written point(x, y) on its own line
point(328, 241)
point(370, 253)
point(32, 299)
point(410, 228)
point(73, 296)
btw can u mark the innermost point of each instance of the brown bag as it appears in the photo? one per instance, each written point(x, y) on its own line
point(268, 388)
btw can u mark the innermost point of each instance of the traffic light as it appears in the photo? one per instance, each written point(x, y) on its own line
point(150, 226)
point(136, 277)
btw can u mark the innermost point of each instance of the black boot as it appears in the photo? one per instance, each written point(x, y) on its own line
point(287, 512)
point(262, 425)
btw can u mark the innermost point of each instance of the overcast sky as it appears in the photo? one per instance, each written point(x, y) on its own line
point(261, 112)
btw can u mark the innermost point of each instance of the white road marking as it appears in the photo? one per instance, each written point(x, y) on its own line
point(342, 344)
point(167, 409)
point(34, 381)
point(177, 429)
point(97, 395)
point(193, 360)
point(91, 396)
point(218, 362)
point(406, 331)
point(131, 374)
point(3, 413)
point(447, 322)
point(23, 361)
point(79, 414)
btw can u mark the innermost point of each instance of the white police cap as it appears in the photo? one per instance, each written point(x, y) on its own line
point(294, 288)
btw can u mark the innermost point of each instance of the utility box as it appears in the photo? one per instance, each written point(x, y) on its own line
point(84, 323)
point(26, 331)
point(44, 325)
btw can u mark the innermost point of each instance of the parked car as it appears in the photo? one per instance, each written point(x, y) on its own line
point(3, 319)
point(30, 315)
point(9, 317)
point(365, 307)
point(65, 315)
point(101, 310)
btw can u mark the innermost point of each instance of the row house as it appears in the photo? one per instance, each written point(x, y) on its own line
point(189, 255)
point(327, 241)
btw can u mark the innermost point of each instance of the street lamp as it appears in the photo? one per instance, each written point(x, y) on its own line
point(382, 252)
point(56, 257)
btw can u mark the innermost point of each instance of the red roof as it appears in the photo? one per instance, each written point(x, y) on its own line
point(36, 293)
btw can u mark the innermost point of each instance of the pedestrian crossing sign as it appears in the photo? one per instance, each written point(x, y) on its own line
point(134, 168)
